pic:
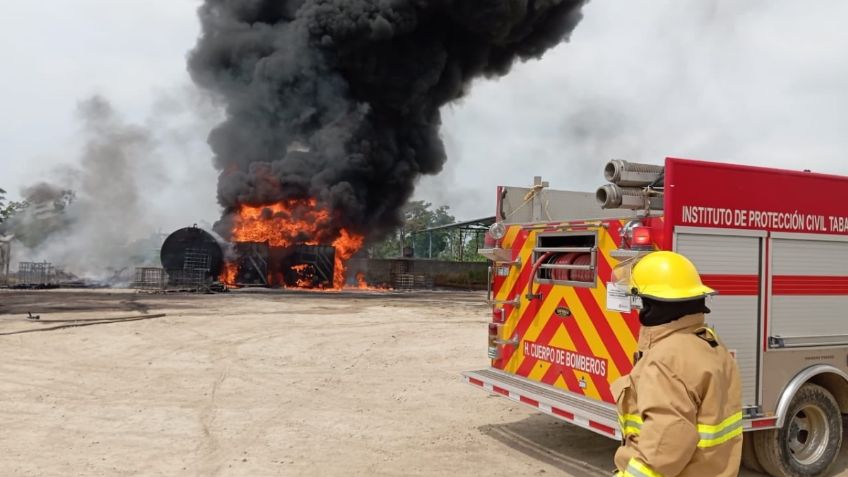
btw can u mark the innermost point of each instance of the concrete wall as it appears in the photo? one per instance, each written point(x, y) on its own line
point(440, 273)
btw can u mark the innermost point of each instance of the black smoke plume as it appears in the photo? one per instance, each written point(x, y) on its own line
point(339, 99)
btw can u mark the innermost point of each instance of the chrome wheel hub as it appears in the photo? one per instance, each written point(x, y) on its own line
point(808, 434)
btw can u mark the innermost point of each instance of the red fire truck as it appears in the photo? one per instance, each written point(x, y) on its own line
point(773, 243)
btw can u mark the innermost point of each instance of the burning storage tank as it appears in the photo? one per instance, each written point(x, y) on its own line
point(293, 244)
point(192, 253)
point(310, 266)
point(295, 266)
point(193, 257)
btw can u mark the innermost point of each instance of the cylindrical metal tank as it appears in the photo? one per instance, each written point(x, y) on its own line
point(189, 246)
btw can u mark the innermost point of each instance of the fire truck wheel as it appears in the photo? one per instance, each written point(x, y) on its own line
point(810, 439)
point(749, 455)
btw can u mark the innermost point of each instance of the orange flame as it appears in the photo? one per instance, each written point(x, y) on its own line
point(304, 275)
point(290, 223)
point(346, 245)
point(282, 224)
point(229, 274)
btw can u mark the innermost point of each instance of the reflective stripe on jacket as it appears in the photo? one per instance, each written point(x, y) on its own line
point(680, 408)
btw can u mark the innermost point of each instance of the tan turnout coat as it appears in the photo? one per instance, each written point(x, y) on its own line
point(680, 408)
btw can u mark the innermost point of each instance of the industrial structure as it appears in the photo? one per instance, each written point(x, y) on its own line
point(5, 259)
point(192, 260)
point(467, 228)
point(36, 274)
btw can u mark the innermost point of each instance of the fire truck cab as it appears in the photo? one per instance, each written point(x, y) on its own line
point(773, 243)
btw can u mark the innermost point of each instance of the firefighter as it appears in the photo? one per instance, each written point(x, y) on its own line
point(680, 407)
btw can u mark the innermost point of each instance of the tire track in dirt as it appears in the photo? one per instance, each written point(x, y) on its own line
point(207, 454)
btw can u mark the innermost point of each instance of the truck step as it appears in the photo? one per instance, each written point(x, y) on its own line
point(596, 416)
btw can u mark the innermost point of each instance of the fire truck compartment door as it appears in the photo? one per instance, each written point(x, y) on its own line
point(809, 281)
point(731, 264)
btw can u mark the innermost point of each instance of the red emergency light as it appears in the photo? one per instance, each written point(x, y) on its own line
point(638, 236)
point(641, 237)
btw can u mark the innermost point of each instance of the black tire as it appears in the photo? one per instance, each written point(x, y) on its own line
point(749, 455)
point(809, 441)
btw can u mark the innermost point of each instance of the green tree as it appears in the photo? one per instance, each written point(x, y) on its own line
point(463, 245)
point(11, 209)
point(418, 217)
point(6, 211)
point(473, 241)
point(389, 247)
point(8, 208)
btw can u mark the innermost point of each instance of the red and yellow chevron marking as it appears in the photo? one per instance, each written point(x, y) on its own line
point(591, 331)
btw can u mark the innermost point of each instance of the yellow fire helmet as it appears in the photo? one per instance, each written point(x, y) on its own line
point(667, 276)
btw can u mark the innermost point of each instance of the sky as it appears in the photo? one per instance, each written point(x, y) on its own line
point(755, 82)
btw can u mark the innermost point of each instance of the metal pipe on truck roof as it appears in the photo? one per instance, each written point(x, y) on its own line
point(611, 196)
point(632, 174)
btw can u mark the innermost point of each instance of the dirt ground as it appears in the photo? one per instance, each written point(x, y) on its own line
point(264, 384)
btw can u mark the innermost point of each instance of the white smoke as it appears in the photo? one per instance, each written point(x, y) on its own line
point(104, 212)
